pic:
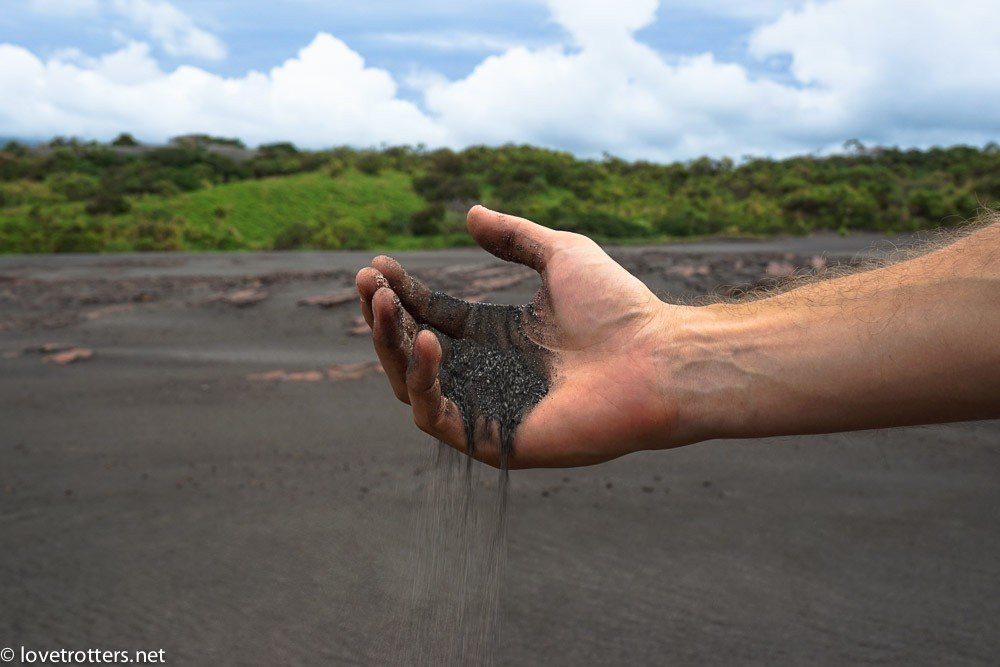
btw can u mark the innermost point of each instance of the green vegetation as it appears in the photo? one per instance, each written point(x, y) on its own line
point(210, 193)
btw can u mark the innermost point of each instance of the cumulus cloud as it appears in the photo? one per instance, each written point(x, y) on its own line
point(594, 23)
point(174, 30)
point(325, 95)
point(896, 69)
point(893, 71)
point(911, 72)
point(158, 20)
point(614, 93)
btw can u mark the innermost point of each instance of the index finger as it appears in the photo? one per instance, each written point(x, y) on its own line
point(445, 313)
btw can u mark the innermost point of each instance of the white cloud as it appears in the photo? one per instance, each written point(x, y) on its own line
point(911, 72)
point(174, 30)
point(899, 68)
point(617, 94)
point(892, 71)
point(594, 23)
point(326, 95)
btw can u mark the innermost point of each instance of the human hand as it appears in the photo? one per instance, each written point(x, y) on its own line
point(598, 330)
point(623, 371)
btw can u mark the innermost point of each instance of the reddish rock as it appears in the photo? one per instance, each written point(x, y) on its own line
point(337, 373)
point(357, 371)
point(244, 297)
point(779, 269)
point(817, 262)
point(359, 327)
point(69, 356)
point(286, 376)
point(107, 310)
point(341, 296)
point(267, 376)
point(304, 376)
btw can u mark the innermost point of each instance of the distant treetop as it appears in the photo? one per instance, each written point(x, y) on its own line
point(124, 139)
point(201, 140)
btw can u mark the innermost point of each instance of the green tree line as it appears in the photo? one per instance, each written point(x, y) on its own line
point(202, 192)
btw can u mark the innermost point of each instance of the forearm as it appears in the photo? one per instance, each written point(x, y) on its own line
point(911, 343)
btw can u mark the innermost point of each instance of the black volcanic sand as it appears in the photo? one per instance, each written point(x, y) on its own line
point(153, 497)
point(494, 377)
point(494, 380)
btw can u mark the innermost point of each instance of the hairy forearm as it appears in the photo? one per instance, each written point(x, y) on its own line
point(911, 343)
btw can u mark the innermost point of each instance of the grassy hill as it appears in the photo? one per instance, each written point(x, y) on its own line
point(260, 213)
point(313, 209)
point(200, 195)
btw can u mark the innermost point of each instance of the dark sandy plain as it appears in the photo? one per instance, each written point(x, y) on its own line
point(229, 478)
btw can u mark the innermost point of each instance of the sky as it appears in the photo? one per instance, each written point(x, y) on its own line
point(641, 79)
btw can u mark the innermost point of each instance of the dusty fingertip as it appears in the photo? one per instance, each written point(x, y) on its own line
point(385, 292)
point(384, 301)
point(428, 341)
point(368, 280)
point(425, 359)
point(429, 347)
point(478, 214)
point(385, 263)
point(362, 275)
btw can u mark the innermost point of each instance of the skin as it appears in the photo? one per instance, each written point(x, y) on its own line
point(911, 343)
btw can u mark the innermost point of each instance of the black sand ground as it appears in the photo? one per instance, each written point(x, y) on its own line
point(154, 497)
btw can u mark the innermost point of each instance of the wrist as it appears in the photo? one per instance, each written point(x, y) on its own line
point(710, 373)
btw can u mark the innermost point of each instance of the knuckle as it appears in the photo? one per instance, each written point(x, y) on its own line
point(575, 238)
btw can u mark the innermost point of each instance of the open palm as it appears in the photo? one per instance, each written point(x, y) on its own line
point(602, 329)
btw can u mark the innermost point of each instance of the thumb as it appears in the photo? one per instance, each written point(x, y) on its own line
point(511, 238)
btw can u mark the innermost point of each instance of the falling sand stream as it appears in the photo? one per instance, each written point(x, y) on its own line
point(494, 377)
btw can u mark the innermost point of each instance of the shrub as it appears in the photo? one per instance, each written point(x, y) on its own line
point(345, 233)
point(15, 149)
point(278, 148)
point(44, 232)
point(683, 219)
point(444, 187)
point(428, 220)
point(369, 163)
point(108, 203)
point(335, 167)
point(336, 234)
point(124, 139)
point(598, 222)
point(74, 186)
point(293, 236)
point(158, 232)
